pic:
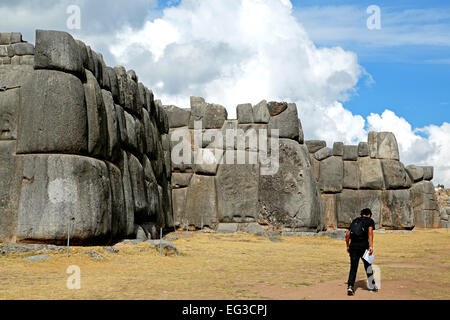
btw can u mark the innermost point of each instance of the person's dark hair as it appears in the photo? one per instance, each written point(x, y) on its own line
point(366, 212)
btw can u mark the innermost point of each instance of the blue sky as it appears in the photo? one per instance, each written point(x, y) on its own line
point(410, 79)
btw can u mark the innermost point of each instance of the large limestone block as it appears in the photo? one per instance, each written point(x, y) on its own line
point(370, 174)
point(143, 96)
point(122, 126)
point(290, 197)
point(286, 122)
point(181, 154)
point(83, 53)
point(201, 202)
point(323, 154)
point(113, 84)
point(10, 182)
point(154, 202)
point(338, 149)
point(383, 145)
point(179, 197)
point(23, 49)
point(9, 105)
point(331, 174)
point(148, 132)
point(350, 153)
point(57, 188)
point(140, 138)
point(415, 173)
point(347, 207)
point(237, 192)
point(118, 210)
point(113, 146)
point(315, 165)
point(130, 127)
point(103, 73)
point(349, 204)
point(162, 118)
point(397, 212)
point(57, 50)
point(315, 145)
point(178, 117)
point(363, 149)
point(10, 37)
point(128, 90)
point(127, 192)
point(329, 203)
point(261, 112)
point(212, 116)
point(351, 175)
point(97, 117)
point(149, 175)
point(395, 176)
point(167, 204)
point(428, 173)
point(244, 113)
point(53, 114)
point(138, 188)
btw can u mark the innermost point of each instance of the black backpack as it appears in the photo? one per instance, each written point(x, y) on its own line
point(357, 229)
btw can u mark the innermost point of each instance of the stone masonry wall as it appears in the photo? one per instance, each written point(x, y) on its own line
point(80, 142)
point(251, 196)
point(85, 144)
point(353, 177)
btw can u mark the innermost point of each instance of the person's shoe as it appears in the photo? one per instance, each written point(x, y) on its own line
point(350, 291)
point(374, 289)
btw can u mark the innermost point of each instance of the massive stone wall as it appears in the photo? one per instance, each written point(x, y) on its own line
point(347, 177)
point(85, 144)
point(80, 142)
point(370, 174)
point(272, 188)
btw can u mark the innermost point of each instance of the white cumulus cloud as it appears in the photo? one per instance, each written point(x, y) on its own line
point(240, 51)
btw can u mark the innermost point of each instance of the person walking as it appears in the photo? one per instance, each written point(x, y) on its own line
point(359, 238)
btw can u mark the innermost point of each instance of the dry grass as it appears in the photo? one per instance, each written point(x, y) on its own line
point(213, 266)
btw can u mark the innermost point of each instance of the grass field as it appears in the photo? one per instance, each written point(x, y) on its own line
point(225, 266)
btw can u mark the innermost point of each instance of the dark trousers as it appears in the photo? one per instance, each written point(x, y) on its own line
point(355, 255)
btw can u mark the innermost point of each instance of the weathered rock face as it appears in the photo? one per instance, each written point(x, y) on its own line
point(373, 177)
point(290, 198)
point(246, 175)
point(81, 140)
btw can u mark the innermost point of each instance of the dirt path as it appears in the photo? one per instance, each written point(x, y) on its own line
point(336, 290)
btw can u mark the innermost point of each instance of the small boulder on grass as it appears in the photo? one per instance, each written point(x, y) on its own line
point(93, 255)
point(38, 258)
point(168, 248)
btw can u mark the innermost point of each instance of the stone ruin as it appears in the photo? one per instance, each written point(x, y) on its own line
point(316, 188)
point(370, 175)
point(80, 142)
point(87, 146)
